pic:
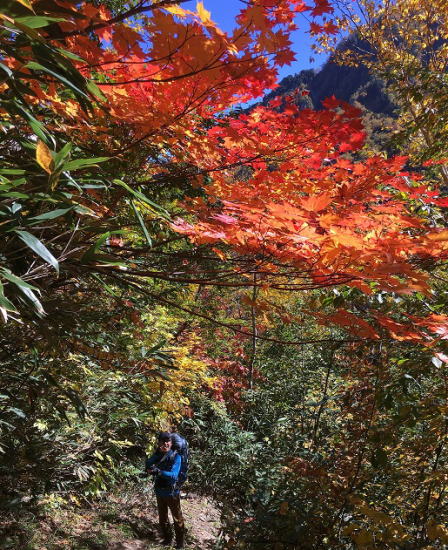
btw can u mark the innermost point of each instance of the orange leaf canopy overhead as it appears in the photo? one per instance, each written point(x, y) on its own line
point(302, 205)
point(282, 189)
point(163, 68)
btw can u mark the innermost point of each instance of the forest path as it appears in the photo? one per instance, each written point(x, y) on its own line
point(201, 518)
point(125, 520)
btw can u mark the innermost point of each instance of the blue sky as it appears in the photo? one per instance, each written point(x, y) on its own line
point(224, 11)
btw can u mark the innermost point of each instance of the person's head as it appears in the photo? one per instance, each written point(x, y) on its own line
point(164, 442)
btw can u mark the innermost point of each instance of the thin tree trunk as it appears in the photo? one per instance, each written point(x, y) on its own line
point(254, 332)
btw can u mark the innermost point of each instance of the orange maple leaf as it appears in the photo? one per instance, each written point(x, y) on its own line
point(316, 203)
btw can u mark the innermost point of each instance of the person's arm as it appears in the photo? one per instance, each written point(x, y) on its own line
point(175, 469)
point(151, 461)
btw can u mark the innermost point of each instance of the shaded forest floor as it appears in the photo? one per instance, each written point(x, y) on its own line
point(126, 521)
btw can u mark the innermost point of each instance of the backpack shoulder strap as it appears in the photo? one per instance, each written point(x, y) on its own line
point(169, 454)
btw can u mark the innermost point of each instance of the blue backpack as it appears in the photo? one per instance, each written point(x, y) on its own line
point(180, 445)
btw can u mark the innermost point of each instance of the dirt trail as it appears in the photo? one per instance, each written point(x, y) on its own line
point(124, 521)
point(202, 521)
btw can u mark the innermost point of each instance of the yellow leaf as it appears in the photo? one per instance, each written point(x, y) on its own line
point(44, 157)
point(26, 3)
point(204, 15)
point(121, 91)
point(176, 10)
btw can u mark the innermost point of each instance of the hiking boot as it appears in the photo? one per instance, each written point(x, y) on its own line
point(180, 538)
point(167, 534)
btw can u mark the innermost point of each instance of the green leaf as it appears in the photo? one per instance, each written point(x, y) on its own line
point(38, 67)
point(38, 247)
point(6, 274)
point(159, 209)
point(4, 302)
point(81, 163)
point(62, 155)
point(37, 21)
point(15, 195)
point(6, 69)
point(163, 374)
point(70, 55)
point(106, 261)
point(25, 29)
point(52, 215)
point(12, 172)
point(32, 298)
point(94, 90)
point(37, 129)
point(92, 253)
point(157, 346)
point(106, 287)
point(36, 126)
point(6, 185)
point(142, 224)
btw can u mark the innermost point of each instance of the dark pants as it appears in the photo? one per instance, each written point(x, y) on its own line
point(171, 503)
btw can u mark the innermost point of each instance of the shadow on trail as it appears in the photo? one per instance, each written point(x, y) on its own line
point(124, 520)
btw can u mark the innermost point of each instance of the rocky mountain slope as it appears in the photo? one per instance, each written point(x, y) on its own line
point(351, 84)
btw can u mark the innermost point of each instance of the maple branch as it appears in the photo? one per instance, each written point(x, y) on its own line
point(247, 266)
point(187, 109)
point(125, 62)
point(193, 72)
point(198, 102)
point(234, 328)
point(136, 10)
point(330, 280)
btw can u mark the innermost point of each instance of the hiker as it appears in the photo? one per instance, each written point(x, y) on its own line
point(165, 466)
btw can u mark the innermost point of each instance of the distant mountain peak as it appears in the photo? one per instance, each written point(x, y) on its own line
point(350, 84)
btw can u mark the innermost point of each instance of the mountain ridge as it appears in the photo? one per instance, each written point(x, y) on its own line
point(347, 83)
